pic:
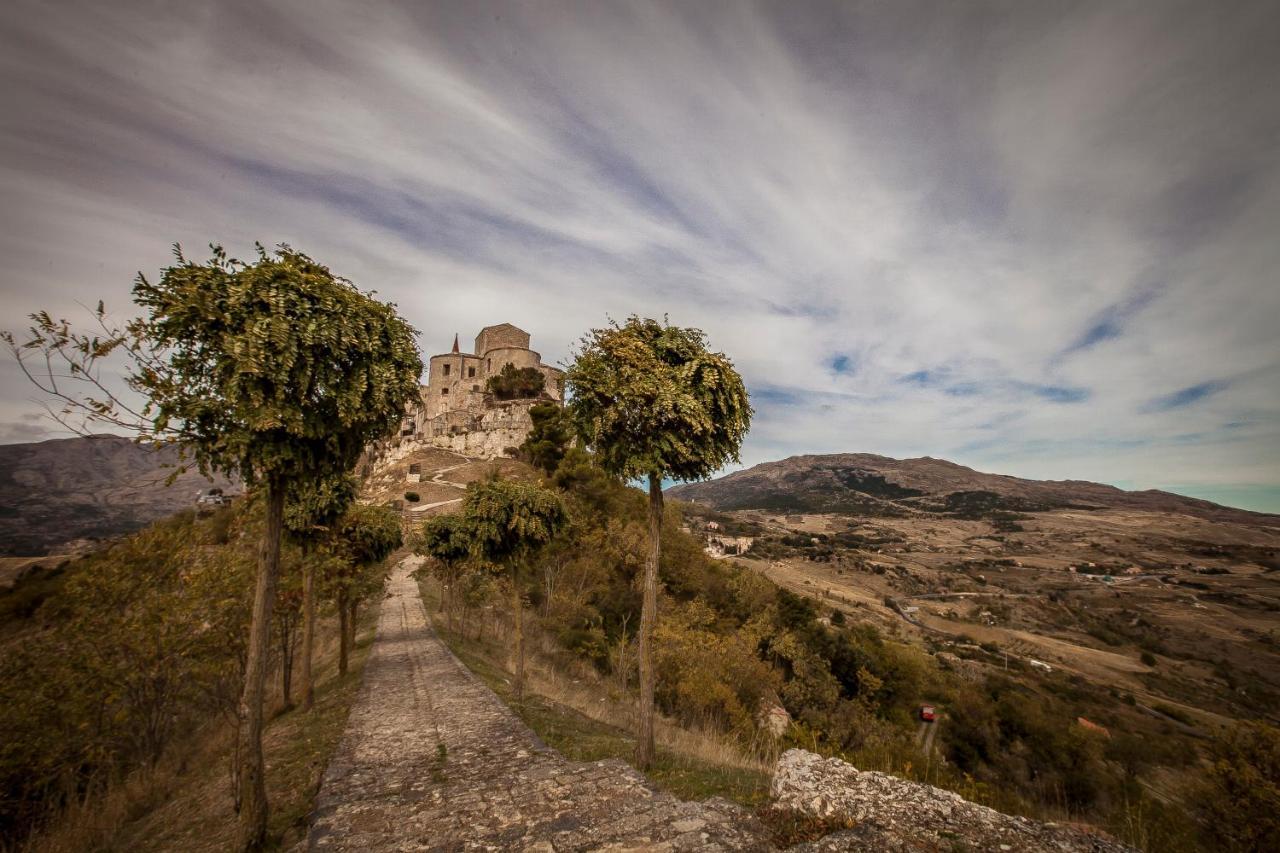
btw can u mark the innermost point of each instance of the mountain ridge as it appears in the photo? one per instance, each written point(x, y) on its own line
point(881, 485)
point(58, 491)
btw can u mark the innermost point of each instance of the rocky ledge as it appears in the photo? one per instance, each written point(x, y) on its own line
point(894, 814)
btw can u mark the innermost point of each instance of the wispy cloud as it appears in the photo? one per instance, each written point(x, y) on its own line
point(1111, 321)
point(1187, 396)
point(973, 230)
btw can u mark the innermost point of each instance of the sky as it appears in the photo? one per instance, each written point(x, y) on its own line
point(1036, 238)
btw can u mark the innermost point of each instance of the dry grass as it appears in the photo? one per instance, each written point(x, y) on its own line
point(185, 803)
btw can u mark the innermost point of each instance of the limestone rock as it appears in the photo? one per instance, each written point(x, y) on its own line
point(896, 814)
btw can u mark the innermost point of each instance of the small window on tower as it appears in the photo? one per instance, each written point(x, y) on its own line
point(475, 387)
point(444, 392)
point(471, 373)
point(489, 364)
point(446, 370)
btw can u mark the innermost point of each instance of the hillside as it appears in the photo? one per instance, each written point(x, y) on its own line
point(59, 491)
point(878, 485)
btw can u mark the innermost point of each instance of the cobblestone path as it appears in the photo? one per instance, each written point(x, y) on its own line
point(433, 760)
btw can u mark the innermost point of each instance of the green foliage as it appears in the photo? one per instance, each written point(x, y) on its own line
point(708, 676)
point(313, 505)
point(513, 383)
point(1240, 802)
point(367, 534)
point(412, 497)
point(278, 367)
point(650, 399)
point(446, 538)
point(549, 438)
point(1009, 734)
point(509, 520)
point(726, 636)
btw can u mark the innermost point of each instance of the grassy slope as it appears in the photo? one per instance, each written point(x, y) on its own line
point(298, 747)
point(188, 806)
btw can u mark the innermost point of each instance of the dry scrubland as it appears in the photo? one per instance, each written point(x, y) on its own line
point(1162, 607)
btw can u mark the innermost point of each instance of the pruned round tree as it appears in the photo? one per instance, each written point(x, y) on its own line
point(364, 538)
point(509, 522)
point(447, 540)
point(276, 371)
point(654, 403)
point(311, 509)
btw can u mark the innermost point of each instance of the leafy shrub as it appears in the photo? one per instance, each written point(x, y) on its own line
point(412, 497)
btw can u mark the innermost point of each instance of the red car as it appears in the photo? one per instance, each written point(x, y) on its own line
point(927, 713)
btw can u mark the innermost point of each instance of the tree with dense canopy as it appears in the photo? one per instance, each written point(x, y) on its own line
point(513, 383)
point(652, 401)
point(365, 537)
point(509, 523)
point(275, 371)
point(447, 540)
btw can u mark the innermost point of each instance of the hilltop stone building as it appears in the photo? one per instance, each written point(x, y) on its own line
point(456, 412)
point(456, 381)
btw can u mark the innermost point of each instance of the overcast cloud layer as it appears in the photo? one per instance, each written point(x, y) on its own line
point(1034, 238)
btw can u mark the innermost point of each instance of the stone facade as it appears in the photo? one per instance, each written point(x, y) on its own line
point(456, 380)
point(455, 412)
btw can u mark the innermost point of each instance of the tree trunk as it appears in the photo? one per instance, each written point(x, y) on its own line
point(343, 648)
point(286, 661)
point(517, 621)
point(251, 790)
point(308, 628)
point(649, 618)
point(351, 623)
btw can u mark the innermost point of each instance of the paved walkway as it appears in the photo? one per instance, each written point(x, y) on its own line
point(433, 760)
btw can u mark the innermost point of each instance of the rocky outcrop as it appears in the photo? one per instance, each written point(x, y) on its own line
point(894, 814)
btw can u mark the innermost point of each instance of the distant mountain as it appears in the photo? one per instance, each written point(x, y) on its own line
point(56, 492)
point(867, 484)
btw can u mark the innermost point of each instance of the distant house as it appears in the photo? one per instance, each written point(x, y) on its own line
point(207, 500)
